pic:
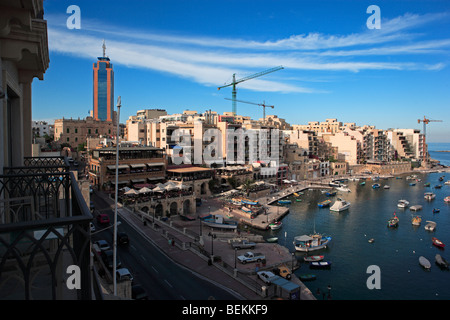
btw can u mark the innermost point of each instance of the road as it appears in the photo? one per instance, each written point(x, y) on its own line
point(152, 269)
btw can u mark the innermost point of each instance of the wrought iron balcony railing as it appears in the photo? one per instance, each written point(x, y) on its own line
point(44, 229)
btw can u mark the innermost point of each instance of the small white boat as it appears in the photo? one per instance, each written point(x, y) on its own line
point(340, 205)
point(424, 263)
point(275, 225)
point(386, 186)
point(415, 208)
point(343, 188)
point(447, 182)
point(429, 196)
point(307, 243)
point(403, 203)
point(441, 262)
point(430, 226)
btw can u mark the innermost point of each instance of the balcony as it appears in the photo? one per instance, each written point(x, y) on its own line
point(44, 228)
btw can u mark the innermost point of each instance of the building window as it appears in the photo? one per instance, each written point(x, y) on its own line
point(76, 130)
point(68, 139)
point(67, 130)
point(96, 130)
point(89, 131)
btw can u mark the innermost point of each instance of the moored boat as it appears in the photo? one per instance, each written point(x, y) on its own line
point(340, 205)
point(307, 277)
point(386, 186)
point(424, 263)
point(393, 222)
point(271, 240)
point(330, 193)
point(307, 243)
point(218, 221)
point(275, 225)
point(427, 184)
point(416, 220)
point(436, 210)
point(441, 262)
point(430, 226)
point(343, 188)
point(412, 184)
point(402, 203)
point(375, 186)
point(284, 201)
point(429, 196)
point(320, 264)
point(313, 258)
point(417, 207)
point(324, 204)
point(438, 243)
point(438, 186)
point(447, 199)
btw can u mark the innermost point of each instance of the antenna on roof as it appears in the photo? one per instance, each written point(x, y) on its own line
point(104, 48)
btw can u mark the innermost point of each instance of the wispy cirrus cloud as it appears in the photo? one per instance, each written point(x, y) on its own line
point(207, 59)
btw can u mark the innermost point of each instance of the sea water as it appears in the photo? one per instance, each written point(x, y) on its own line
point(395, 251)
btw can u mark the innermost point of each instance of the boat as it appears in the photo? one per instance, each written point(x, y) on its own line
point(412, 184)
point(429, 196)
point(271, 240)
point(330, 193)
point(436, 210)
point(307, 277)
point(307, 243)
point(375, 186)
point(427, 184)
point(438, 186)
point(343, 188)
point(402, 203)
point(298, 200)
point(296, 194)
point(218, 221)
point(416, 220)
point(441, 262)
point(250, 202)
point(324, 204)
point(441, 178)
point(424, 263)
point(362, 183)
point(340, 205)
point(275, 225)
point(334, 184)
point(447, 182)
point(320, 264)
point(393, 222)
point(447, 199)
point(371, 240)
point(417, 207)
point(438, 243)
point(386, 186)
point(284, 201)
point(246, 210)
point(313, 258)
point(430, 226)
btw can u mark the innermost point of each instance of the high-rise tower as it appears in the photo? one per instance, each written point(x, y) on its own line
point(103, 98)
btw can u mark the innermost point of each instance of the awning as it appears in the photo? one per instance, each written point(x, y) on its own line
point(137, 180)
point(154, 164)
point(140, 165)
point(120, 182)
point(123, 166)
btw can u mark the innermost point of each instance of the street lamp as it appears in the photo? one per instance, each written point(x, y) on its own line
point(119, 104)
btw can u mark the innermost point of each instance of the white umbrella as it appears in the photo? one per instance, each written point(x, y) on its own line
point(170, 187)
point(125, 189)
point(158, 189)
point(145, 190)
point(131, 192)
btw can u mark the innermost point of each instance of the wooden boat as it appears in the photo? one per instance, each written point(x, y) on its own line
point(324, 204)
point(218, 221)
point(393, 222)
point(271, 240)
point(402, 203)
point(307, 277)
point(424, 263)
point(430, 226)
point(320, 264)
point(416, 220)
point(296, 194)
point(307, 243)
point(313, 258)
point(330, 194)
point(438, 243)
point(250, 202)
point(441, 262)
point(284, 201)
point(275, 225)
point(375, 186)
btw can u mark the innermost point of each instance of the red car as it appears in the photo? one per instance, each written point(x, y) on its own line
point(103, 218)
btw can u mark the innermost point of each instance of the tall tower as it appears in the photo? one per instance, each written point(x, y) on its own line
point(103, 98)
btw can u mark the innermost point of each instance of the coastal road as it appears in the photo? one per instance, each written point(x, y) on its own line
point(162, 278)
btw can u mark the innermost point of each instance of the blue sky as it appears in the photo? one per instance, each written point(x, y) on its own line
point(174, 54)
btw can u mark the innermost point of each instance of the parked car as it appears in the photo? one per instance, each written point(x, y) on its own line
point(123, 274)
point(101, 245)
point(138, 292)
point(102, 218)
point(108, 259)
point(283, 271)
point(122, 238)
point(267, 276)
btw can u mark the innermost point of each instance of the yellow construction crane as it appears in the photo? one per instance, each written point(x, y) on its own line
point(235, 82)
point(258, 104)
point(425, 122)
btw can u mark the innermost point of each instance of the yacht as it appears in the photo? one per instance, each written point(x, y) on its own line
point(340, 205)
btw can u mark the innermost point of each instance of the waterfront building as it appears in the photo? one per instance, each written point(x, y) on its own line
point(42, 128)
point(103, 88)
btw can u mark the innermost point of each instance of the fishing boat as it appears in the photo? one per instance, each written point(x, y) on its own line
point(320, 264)
point(343, 188)
point(246, 210)
point(313, 258)
point(393, 222)
point(416, 220)
point(271, 240)
point(427, 184)
point(324, 204)
point(218, 221)
point(438, 243)
point(307, 277)
point(284, 201)
point(330, 193)
point(250, 202)
point(275, 225)
point(429, 196)
point(430, 226)
point(403, 203)
point(441, 262)
point(307, 243)
point(447, 199)
point(438, 186)
point(417, 207)
point(375, 186)
point(340, 205)
point(436, 210)
point(424, 263)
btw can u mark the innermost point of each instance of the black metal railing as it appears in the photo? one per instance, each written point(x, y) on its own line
point(44, 229)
